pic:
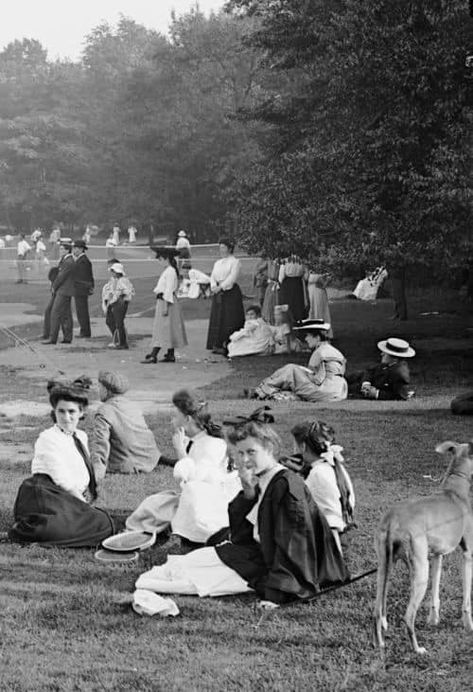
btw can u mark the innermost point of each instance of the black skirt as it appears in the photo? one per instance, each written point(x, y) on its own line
point(48, 514)
point(227, 315)
point(292, 294)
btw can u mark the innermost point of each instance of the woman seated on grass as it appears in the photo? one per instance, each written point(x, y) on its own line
point(325, 474)
point(121, 441)
point(53, 507)
point(254, 338)
point(281, 545)
point(322, 380)
point(390, 379)
point(199, 509)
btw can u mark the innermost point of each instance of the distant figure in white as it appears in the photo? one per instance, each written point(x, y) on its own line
point(367, 288)
point(132, 234)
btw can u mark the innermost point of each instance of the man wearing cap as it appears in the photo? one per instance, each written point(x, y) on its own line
point(63, 289)
point(83, 286)
point(390, 379)
point(121, 441)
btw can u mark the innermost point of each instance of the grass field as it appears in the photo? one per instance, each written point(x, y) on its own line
point(67, 623)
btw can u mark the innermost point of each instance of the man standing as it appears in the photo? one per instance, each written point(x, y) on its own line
point(83, 286)
point(63, 290)
point(23, 248)
point(52, 275)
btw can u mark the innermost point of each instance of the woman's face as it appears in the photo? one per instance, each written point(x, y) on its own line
point(178, 419)
point(312, 340)
point(252, 455)
point(251, 315)
point(68, 415)
point(224, 250)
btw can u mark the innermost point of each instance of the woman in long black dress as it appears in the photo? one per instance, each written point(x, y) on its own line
point(53, 506)
point(227, 313)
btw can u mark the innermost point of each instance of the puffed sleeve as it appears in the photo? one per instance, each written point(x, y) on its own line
point(232, 276)
point(50, 457)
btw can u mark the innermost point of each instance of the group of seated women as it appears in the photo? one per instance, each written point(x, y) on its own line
point(264, 523)
point(323, 379)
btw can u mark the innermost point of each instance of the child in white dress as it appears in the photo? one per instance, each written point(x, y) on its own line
point(254, 338)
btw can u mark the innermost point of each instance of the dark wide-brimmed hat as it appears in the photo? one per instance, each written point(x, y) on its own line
point(396, 347)
point(80, 243)
point(311, 325)
point(165, 251)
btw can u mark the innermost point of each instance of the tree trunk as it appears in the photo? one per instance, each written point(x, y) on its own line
point(398, 288)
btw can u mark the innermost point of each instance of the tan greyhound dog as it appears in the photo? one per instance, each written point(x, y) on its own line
point(434, 525)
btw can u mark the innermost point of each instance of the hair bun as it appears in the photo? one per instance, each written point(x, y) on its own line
point(83, 382)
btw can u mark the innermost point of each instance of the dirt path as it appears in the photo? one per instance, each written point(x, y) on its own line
point(151, 385)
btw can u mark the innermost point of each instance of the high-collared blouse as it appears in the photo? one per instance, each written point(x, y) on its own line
point(225, 273)
point(56, 455)
point(167, 285)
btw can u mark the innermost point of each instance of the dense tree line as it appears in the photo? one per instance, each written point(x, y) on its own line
point(141, 130)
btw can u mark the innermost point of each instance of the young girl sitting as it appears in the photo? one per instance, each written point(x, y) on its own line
point(254, 338)
point(325, 474)
point(284, 340)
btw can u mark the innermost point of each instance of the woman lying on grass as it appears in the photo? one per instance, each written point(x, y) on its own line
point(200, 508)
point(53, 506)
point(281, 545)
point(322, 379)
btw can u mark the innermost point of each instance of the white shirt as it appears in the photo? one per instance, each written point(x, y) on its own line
point(323, 487)
point(206, 460)
point(56, 455)
point(131, 234)
point(167, 284)
point(22, 248)
point(182, 242)
point(225, 273)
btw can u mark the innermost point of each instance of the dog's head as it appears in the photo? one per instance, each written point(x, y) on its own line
point(459, 455)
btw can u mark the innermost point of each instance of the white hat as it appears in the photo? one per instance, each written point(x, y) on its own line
point(182, 234)
point(65, 241)
point(312, 325)
point(396, 347)
point(117, 268)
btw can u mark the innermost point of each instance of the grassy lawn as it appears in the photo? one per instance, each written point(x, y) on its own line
point(67, 623)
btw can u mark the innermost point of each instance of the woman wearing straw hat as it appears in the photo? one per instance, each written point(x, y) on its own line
point(116, 296)
point(323, 378)
point(390, 379)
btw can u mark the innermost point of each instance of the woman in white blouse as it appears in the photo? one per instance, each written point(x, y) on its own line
point(53, 506)
point(227, 314)
point(199, 508)
point(168, 328)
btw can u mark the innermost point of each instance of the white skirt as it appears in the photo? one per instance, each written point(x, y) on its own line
point(200, 573)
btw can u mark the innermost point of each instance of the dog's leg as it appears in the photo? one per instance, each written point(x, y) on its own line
point(467, 573)
point(434, 618)
point(419, 573)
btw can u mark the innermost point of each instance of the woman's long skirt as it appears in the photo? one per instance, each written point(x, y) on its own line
point(271, 299)
point(292, 293)
point(227, 315)
point(168, 330)
point(46, 513)
point(319, 307)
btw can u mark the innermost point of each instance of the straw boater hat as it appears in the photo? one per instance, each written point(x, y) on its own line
point(65, 242)
point(182, 234)
point(311, 325)
point(117, 267)
point(396, 347)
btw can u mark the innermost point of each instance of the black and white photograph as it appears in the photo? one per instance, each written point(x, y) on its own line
point(236, 345)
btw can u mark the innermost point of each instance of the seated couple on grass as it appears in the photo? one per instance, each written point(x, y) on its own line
point(282, 546)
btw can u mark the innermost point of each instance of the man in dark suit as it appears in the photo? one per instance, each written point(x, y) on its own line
point(63, 290)
point(63, 250)
point(83, 286)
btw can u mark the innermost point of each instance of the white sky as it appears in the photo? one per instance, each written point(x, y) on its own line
point(61, 25)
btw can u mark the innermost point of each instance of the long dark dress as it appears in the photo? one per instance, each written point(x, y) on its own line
point(297, 554)
point(46, 513)
point(227, 315)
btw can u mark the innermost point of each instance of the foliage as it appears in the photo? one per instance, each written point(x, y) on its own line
point(371, 158)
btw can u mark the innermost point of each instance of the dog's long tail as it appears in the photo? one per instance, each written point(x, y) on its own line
point(385, 553)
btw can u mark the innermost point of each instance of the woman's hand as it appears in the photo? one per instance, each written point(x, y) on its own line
point(248, 479)
point(179, 441)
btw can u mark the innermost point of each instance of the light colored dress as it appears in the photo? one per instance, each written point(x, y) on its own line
point(367, 288)
point(168, 330)
point(318, 299)
point(271, 296)
point(322, 380)
point(255, 338)
point(199, 508)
